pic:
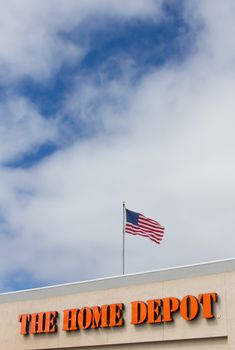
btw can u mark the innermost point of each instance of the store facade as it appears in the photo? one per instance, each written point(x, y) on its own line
point(191, 307)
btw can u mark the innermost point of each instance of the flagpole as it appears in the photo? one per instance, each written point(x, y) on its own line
point(123, 238)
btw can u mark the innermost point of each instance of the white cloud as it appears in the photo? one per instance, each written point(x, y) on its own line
point(22, 128)
point(33, 44)
point(172, 158)
point(31, 40)
point(216, 44)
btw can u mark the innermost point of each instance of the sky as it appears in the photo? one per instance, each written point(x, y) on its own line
point(105, 101)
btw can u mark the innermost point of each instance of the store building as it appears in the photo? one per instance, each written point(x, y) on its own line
point(191, 307)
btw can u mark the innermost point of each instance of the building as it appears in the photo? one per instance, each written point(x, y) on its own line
point(191, 307)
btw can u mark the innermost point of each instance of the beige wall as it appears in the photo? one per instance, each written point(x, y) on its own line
point(202, 344)
point(204, 334)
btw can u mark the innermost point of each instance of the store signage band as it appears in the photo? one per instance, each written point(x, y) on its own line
point(152, 312)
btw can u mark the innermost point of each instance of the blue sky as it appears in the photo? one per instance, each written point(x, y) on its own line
point(143, 42)
point(104, 101)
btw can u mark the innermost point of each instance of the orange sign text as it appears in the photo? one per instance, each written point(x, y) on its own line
point(105, 316)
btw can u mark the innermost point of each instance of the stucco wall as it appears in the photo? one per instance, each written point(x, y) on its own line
point(216, 333)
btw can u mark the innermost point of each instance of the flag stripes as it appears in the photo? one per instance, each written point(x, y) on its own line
point(138, 224)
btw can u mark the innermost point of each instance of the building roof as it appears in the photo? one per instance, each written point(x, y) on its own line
point(173, 273)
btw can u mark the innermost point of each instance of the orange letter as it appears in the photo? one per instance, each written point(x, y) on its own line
point(189, 307)
point(37, 322)
point(70, 320)
point(25, 320)
point(154, 311)
point(207, 302)
point(99, 316)
point(170, 305)
point(50, 322)
point(116, 311)
point(139, 312)
point(85, 318)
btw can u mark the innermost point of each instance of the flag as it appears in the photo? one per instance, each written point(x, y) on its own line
point(138, 224)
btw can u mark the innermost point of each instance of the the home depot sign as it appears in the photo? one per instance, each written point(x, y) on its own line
point(104, 316)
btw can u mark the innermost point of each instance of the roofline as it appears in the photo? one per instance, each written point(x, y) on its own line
point(164, 274)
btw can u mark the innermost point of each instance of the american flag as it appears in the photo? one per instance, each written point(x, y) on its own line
point(138, 224)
